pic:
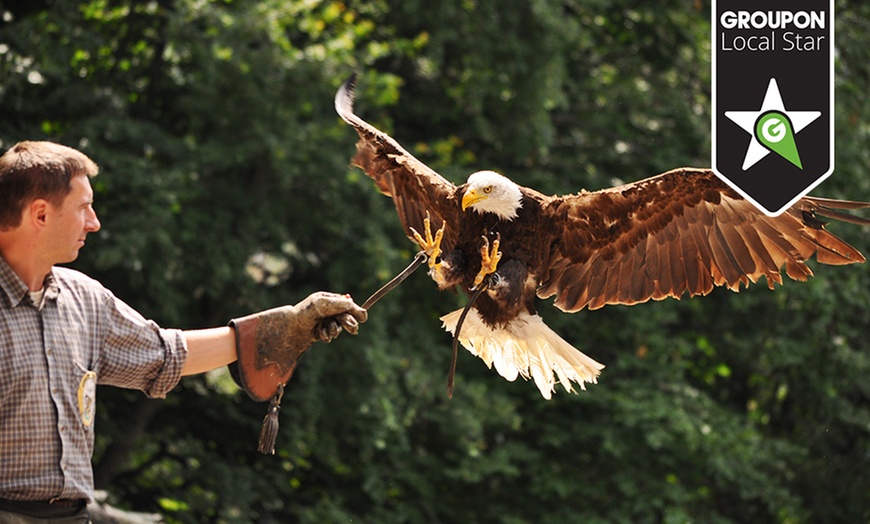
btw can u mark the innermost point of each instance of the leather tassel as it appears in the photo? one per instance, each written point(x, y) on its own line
point(269, 433)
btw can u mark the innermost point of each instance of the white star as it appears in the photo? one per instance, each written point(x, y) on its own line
point(772, 102)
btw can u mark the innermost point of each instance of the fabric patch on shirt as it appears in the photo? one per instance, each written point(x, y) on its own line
point(87, 396)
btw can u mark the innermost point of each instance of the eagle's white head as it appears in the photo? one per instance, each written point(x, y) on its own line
point(489, 192)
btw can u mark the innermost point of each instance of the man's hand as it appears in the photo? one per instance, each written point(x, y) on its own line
point(329, 313)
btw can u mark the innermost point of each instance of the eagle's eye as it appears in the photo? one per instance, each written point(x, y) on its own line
point(487, 189)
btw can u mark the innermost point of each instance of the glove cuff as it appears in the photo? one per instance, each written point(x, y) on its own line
point(265, 360)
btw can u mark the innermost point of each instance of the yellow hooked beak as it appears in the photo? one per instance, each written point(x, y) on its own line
point(472, 197)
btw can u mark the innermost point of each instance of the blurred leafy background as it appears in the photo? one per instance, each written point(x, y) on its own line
point(225, 188)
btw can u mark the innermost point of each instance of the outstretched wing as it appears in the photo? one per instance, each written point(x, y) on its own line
point(681, 231)
point(415, 188)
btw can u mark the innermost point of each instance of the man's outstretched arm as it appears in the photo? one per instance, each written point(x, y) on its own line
point(291, 330)
point(209, 349)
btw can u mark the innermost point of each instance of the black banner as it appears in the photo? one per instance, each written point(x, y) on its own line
point(773, 98)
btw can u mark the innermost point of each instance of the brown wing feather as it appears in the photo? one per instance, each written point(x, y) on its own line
point(682, 231)
point(415, 188)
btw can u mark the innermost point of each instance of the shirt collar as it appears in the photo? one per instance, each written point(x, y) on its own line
point(15, 290)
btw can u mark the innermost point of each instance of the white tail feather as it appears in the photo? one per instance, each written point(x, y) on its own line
point(527, 348)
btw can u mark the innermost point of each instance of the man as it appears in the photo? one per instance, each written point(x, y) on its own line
point(62, 333)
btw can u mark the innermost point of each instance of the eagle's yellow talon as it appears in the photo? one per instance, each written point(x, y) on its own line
point(430, 245)
point(489, 259)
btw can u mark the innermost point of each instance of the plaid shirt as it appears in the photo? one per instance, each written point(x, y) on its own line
point(52, 355)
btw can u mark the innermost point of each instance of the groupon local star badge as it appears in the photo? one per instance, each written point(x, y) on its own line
point(773, 98)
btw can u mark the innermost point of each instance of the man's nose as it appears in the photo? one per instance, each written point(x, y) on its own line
point(93, 223)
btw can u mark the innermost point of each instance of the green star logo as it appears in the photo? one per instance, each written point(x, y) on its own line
point(772, 127)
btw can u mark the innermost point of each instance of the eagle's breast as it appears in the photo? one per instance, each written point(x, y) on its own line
point(518, 272)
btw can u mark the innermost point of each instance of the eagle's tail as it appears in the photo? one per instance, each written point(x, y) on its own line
point(527, 348)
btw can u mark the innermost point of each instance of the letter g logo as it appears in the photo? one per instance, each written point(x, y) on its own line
point(773, 129)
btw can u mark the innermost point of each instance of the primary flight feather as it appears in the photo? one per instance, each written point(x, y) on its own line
point(683, 231)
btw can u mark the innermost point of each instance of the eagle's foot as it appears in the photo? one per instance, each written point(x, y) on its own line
point(431, 245)
point(489, 259)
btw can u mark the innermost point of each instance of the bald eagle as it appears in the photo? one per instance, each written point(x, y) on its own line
point(681, 232)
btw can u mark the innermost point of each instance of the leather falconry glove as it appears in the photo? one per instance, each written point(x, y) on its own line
point(270, 343)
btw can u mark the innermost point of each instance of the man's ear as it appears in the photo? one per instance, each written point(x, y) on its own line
point(38, 212)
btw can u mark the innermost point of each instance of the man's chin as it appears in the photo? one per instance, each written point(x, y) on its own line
point(71, 257)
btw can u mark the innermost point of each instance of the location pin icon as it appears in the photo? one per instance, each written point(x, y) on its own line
point(773, 129)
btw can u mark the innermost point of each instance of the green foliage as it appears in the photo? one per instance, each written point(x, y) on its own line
point(225, 188)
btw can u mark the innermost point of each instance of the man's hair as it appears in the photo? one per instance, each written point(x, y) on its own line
point(31, 170)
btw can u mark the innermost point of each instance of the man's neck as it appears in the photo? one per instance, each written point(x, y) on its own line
point(31, 273)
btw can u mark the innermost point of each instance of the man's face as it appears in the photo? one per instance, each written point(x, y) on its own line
point(69, 223)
